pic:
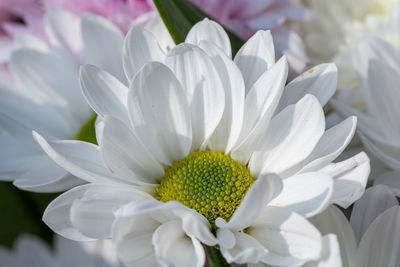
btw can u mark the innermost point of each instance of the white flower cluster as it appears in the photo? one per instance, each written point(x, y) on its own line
point(201, 157)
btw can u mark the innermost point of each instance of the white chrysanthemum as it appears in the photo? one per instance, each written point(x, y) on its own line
point(335, 21)
point(46, 96)
point(33, 252)
point(202, 132)
point(338, 25)
point(379, 128)
point(370, 239)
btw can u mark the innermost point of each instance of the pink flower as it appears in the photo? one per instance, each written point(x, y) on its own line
point(17, 16)
point(121, 12)
point(244, 17)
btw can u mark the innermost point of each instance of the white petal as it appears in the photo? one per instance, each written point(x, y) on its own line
point(380, 245)
point(290, 44)
point(203, 88)
point(58, 213)
point(384, 100)
point(350, 177)
point(291, 137)
point(262, 97)
point(330, 256)
point(385, 152)
point(365, 124)
point(193, 224)
point(174, 248)
point(53, 78)
point(19, 111)
point(99, 128)
point(375, 201)
point(63, 30)
point(371, 48)
point(132, 237)
point(208, 30)
point(104, 93)
point(97, 253)
point(307, 194)
point(377, 63)
point(157, 27)
point(19, 150)
point(26, 40)
point(100, 35)
point(320, 81)
point(264, 189)
point(331, 145)
point(126, 156)
point(144, 131)
point(79, 158)
point(165, 109)
point(246, 250)
point(226, 238)
point(7, 257)
point(255, 57)
point(92, 213)
point(140, 47)
point(229, 128)
point(44, 175)
point(333, 221)
point(391, 180)
point(136, 223)
point(289, 238)
point(260, 105)
point(32, 251)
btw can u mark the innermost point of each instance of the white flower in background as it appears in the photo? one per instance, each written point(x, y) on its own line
point(338, 25)
point(391, 180)
point(371, 238)
point(46, 95)
point(378, 67)
point(334, 21)
point(33, 252)
point(181, 123)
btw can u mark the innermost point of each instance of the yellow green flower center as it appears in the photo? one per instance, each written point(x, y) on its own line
point(211, 183)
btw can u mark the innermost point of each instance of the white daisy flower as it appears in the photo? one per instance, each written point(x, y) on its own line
point(187, 150)
point(379, 129)
point(33, 252)
point(338, 25)
point(46, 95)
point(371, 238)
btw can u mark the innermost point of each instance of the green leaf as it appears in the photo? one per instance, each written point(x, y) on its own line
point(22, 214)
point(88, 131)
point(215, 257)
point(179, 16)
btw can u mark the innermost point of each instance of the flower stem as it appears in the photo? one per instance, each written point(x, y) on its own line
point(215, 257)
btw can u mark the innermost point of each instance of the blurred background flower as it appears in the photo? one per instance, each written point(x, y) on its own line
point(371, 236)
point(242, 17)
point(31, 251)
point(377, 65)
point(16, 16)
point(338, 25)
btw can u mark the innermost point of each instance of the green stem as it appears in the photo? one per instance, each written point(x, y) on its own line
point(215, 257)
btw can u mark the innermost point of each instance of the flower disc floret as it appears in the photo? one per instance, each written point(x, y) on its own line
point(211, 183)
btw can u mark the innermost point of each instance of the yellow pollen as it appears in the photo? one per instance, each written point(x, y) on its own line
point(211, 183)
